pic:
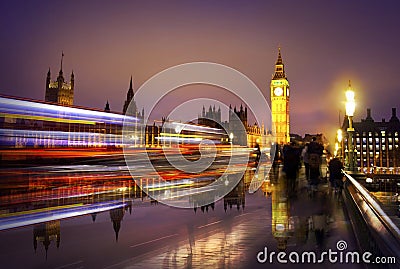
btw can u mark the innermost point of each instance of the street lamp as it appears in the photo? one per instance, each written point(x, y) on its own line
point(339, 136)
point(350, 108)
point(231, 138)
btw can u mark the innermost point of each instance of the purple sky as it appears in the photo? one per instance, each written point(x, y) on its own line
point(324, 44)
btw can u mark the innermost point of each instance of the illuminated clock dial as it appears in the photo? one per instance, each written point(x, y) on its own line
point(278, 91)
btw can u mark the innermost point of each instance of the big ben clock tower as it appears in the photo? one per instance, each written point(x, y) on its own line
point(280, 102)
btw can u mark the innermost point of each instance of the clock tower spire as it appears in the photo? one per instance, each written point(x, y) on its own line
point(280, 101)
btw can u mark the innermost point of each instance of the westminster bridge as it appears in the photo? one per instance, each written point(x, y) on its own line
point(69, 200)
point(95, 216)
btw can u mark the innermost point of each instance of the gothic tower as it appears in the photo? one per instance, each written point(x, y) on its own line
point(280, 102)
point(129, 96)
point(60, 91)
point(238, 125)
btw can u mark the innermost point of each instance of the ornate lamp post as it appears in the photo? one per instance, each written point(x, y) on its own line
point(350, 108)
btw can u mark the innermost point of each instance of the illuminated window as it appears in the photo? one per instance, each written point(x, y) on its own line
point(383, 140)
point(390, 140)
point(377, 141)
point(370, 140)
point(390, 147)
point(370, 147)
point(370, 134)
point(396, 134)
point(383, 133)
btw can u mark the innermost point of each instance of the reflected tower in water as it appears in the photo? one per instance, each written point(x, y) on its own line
point(281, 228)
point(117, 214)
point(236, 197)
point(45, 233)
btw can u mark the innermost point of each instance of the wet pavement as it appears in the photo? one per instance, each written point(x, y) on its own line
point(230, 233)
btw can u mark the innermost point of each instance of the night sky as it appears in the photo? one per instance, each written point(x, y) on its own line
point(324, 44)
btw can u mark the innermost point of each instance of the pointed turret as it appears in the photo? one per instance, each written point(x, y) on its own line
point(48, 79)
point(129, 97)
point(72, 80)
point(279, 60)
point(279, 67)
point(60, 78)
point(60, 74)
point(107, 107)
point(130, 93)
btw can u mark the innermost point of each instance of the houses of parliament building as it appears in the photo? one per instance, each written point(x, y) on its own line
point(61, 92)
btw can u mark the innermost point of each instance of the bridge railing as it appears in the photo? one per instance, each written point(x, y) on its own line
point(374, 230)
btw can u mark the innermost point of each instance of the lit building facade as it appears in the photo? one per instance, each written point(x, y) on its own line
point(376, 143)
point(243, 134)
point(279, 92)
point(60, 91)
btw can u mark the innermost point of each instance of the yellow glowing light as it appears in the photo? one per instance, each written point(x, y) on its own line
point(350, 101)
point(170, 187)
point(180, 135)
point(40, 210)
point(350, 95)
point(339, 135)
point(32, 117)
point(350, 108)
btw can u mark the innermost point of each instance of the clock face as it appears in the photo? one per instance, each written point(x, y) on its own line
point(278, 91)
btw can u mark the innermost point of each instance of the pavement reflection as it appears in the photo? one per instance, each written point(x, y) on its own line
point(141, 233)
